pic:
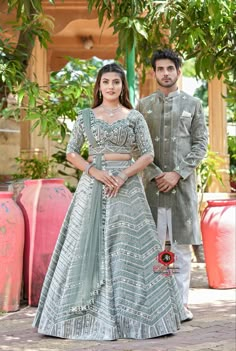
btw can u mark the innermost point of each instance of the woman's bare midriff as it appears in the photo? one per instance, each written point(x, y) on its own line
point(113, 157)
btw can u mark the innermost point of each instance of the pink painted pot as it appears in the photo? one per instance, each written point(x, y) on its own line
point(218, 234)
point(44, 203)
point(11, 252)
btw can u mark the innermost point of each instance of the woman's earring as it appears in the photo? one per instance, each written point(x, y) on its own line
point(121, 95)
point(99, 95)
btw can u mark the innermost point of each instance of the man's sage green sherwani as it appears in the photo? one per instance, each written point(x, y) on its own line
point(179, 134)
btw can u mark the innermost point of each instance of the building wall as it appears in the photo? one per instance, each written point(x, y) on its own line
point(9, 147)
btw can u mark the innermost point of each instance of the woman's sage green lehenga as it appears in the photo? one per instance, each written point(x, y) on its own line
point(100, 283)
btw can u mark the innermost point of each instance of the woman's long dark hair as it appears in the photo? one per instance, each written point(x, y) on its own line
point(124, 96)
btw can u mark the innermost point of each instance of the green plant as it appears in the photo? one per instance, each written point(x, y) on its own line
point(35, 168)
point(17, 42)
point(206, 171)
point(70, 90)
point(232, 159)
point(204, 30)
point(50, 108)
point(68, 169)
point(47, 107)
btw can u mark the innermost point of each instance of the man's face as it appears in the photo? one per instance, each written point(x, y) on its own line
point(166, 73)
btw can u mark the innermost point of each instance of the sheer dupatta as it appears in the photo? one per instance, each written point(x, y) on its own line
point(87, 269)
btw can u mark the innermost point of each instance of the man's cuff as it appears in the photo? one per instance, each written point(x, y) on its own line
point(183, 174)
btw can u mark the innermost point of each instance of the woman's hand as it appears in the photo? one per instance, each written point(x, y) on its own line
point(112, 191)
point(104, 177)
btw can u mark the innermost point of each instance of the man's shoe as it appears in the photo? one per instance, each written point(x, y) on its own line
point(189, 315)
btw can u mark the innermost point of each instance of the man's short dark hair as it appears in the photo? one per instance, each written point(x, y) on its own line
point(166, 54)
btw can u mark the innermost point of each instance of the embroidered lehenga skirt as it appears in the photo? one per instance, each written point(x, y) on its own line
point(134, 301)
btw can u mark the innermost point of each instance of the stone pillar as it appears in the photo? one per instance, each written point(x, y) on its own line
point(31, 142)
point(149, 86)
point(218, 132)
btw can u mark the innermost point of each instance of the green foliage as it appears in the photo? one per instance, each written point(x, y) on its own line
point(68, 168)
point(231, 95)
point(204, 30)
point(70, 89)
point(188, 68)
point(30, 20)
point(12, 70)
point(126, 17)
point(232, 156)
point(50, 107)
point(202, 93)
point(208, 170)
point(30, 23)
point(35, 168)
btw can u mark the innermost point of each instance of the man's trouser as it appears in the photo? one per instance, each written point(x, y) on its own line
point(183, 253)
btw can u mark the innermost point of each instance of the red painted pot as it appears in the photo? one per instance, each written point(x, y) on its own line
point(218, 234)
point(11, 252)
point(44, 203)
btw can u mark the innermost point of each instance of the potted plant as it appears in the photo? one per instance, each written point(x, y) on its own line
point(44, 201)
point(66, 169)
point(232, 159)
point(206, 170)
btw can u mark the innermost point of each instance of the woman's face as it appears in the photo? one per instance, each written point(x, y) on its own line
point(111, 86)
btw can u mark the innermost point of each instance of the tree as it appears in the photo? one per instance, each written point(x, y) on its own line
point(69, 90)
point(47, 107)
point(204, 30)
point(17, 42)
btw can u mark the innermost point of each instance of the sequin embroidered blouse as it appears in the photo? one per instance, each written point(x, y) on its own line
point(121, 136)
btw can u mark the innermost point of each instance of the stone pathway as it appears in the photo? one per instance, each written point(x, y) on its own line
point(212, 329)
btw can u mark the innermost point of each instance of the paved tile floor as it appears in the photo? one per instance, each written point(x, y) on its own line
point(212, 329)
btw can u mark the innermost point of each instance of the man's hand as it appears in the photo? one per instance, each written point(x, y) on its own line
point(167, 181)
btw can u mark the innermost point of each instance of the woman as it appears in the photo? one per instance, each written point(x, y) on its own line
point(100, 284)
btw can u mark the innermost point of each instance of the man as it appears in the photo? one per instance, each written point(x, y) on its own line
point(177, 126)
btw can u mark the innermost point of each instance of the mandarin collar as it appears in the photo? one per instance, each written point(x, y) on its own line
point(170, 95)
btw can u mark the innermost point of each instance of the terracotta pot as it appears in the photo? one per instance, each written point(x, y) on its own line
point(218, 235)
point(44, 203)
point(11, 252)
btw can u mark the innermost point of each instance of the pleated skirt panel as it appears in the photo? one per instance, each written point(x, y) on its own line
point(135, 302)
